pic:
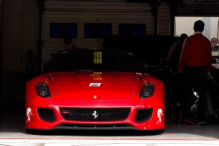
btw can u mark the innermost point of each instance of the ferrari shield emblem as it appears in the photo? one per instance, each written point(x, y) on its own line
point(95, 114)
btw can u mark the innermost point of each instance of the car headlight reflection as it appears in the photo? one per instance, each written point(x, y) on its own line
point(147, 90)
point(42, 90)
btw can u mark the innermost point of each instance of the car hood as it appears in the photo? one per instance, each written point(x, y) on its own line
point(95, 85)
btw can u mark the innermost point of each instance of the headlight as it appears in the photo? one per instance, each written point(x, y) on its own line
point(147, 90)
point(42, 89)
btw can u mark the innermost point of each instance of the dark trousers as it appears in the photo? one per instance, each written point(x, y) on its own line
point(195, 77)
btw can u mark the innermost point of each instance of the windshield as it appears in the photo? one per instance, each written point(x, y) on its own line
point(91, 60)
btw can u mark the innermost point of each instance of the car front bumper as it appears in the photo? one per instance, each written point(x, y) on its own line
point(156, 121)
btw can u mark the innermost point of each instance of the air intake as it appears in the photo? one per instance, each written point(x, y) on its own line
point(46, 114)
point(143, 115)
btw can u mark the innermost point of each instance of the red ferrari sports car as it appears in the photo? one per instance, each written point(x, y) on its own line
point(95, 89)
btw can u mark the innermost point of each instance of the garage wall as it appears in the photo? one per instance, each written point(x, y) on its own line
point(163, 19)
point(97, 11)
point(20, 26)
point(1, 38)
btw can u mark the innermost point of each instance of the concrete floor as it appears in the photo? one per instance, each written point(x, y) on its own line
point(12, 132)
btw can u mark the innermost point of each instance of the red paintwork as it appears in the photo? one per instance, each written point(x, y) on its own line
point(118, 89)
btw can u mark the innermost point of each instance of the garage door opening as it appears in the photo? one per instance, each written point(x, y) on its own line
point(185, 25)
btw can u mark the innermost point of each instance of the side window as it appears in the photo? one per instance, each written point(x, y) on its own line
point(58, 30)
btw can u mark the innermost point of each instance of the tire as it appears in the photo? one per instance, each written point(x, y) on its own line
point(30, 131)
point(157, 132)
point(160, 131)
point(38, 132)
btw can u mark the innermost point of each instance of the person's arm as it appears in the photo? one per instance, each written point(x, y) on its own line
point(171, 51)
point(209, 59)
point(183, 55)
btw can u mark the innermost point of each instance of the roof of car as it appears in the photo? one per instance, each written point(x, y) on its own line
point(92, 49)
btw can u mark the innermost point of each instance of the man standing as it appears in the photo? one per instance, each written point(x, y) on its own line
point(173, 55)
point(195, 63)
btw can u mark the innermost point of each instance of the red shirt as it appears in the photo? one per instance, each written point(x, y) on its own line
point(196, 52)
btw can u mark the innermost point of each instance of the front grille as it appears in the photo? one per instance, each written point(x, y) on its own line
point(95, 114)
point(46, 114)
point(143, 115)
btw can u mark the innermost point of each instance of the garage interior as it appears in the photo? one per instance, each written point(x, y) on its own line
point(25, 41)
